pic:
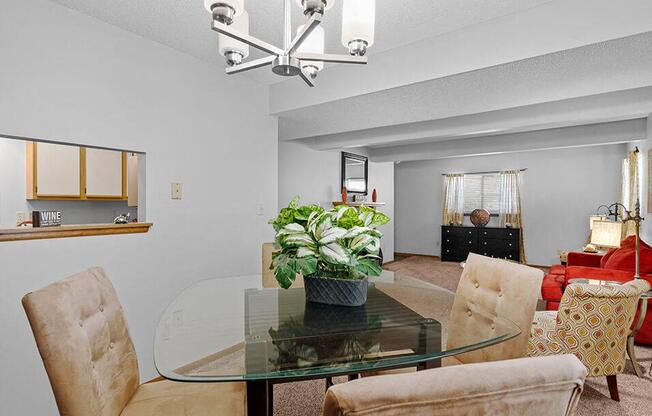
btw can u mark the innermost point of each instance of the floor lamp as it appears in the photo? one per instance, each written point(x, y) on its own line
point(612, 210)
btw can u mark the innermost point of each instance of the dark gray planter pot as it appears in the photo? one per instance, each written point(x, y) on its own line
point(343, 292)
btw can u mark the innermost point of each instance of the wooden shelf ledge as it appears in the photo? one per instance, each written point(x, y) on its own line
point(358, 204)
point(64, 231)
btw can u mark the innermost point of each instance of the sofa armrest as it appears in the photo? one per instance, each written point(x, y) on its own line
point(576, 258)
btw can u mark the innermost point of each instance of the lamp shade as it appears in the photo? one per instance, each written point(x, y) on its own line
point(593, 218)
point(358, 21)
point(314, 43)
point(314, 4)
point(606, 233)
point(236, 5)
point(228, 44)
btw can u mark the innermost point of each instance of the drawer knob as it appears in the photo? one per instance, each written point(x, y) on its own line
point(470, 242)
point(510, 244)
point(469, 232)
point(485, 243)
point(448, 241)
point(448, 251)
point(510, 234)
point(485, 233)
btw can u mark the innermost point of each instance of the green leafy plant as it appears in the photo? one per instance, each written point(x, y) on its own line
point(340, 243)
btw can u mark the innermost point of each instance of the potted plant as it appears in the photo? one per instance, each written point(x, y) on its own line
point(335, 250)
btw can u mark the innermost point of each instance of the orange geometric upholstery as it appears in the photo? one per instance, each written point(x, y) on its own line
point(593, 322)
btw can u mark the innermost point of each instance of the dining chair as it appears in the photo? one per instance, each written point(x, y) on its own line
point(509, 290)
point(269, 280)
point(542, 386)
point(89, 357)
point(593, 323)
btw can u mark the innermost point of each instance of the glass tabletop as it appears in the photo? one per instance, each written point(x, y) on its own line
point(229, 329)
point(644, 295)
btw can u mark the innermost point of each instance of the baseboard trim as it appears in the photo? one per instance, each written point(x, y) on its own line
point(415, 255)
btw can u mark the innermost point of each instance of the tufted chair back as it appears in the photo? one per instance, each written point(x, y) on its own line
point(84, 342)
point(593, 322)
point(508, 291)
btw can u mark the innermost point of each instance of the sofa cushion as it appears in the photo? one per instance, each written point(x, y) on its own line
point(558, 269)
point(552, 287)
point(624, 258)
point(579, 272)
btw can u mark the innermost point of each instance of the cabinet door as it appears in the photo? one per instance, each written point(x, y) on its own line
point(104, 174)
point(58, 171)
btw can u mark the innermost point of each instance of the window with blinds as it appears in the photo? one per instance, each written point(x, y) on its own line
point(482, 191)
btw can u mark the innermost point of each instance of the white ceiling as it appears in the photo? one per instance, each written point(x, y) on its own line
point(185, 25)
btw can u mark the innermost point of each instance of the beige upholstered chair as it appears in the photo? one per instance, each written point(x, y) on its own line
point(593, 323)
point(84, 342)
point(544, 386)
point(269, 280)
point(510, 290)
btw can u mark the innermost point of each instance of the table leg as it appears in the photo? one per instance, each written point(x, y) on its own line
point(427, 343)
point(260, 398)
point(642, 310)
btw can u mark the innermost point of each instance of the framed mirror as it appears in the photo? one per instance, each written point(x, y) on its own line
point(355, 169)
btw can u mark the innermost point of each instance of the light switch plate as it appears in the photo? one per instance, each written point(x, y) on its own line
point(176, 190)
point(260, 210)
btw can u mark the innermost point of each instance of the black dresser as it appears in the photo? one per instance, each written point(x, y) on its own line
point(458, 242)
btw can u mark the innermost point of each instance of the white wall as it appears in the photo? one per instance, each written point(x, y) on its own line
point(65, 76)
point(561, 188)
point(316, 177)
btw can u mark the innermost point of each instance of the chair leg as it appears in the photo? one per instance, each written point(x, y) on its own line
point(613, 387)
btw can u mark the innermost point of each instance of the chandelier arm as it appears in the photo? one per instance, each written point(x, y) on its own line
point(315, 20)
point(307, 78)
point(250, 65)
point(248, 39)
point(342, 59)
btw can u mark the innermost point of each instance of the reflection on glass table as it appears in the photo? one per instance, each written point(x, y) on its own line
point(230, 330)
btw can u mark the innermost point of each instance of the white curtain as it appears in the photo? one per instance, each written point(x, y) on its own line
point(631, 186)
point(511, 208)
point(453, 199)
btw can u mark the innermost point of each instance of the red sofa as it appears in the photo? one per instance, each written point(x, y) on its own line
point(618, 264)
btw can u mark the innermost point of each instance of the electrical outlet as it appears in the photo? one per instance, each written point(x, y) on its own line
point(176, 190)
point(260, 210)
point(20, 217)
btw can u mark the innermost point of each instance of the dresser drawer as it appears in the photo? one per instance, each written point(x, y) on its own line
point(499, 233)
point(459, 232)
point(499, 253)
point(506, 244)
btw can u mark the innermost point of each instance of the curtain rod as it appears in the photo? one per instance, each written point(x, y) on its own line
point(485, 173)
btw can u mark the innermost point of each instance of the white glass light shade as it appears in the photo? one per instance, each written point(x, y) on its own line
point(228, 44)
point(314, 43)
point(606, 233)
point(315, 3)
point(237, 5)
point(358, 21)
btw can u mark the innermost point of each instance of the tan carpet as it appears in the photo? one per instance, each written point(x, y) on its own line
point(305, 398)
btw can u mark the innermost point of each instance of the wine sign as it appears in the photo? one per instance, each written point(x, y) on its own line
point(46, 218)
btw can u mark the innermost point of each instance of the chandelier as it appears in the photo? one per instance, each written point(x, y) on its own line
point(302, 55)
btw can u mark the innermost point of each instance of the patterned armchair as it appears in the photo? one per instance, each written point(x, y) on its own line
point(593, 323)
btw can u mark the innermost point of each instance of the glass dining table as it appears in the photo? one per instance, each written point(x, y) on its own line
point(231, 330)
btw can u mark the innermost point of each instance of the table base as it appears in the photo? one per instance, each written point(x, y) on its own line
point(260, 393)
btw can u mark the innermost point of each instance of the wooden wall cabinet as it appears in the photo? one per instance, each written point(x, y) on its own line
point(60, 172)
